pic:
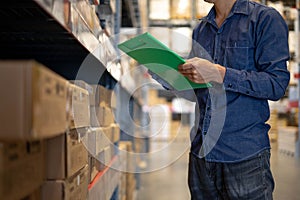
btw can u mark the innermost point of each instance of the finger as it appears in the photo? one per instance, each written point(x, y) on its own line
point(196, 79)
point(191, 59)
point(189, 72)
point(185, 66)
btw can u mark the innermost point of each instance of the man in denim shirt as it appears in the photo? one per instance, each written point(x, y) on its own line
point(248, 48)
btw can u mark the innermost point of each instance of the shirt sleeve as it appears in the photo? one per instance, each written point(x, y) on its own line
point(271, 77)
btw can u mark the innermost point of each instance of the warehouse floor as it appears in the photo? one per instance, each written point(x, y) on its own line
point(171, 181)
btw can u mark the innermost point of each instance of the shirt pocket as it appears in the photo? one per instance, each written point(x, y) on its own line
point(236, 54)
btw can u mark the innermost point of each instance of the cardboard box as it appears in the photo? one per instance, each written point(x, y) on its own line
point(79, 107)
point(65, 155)
point(95, 99)
point(36, 195)
point(180, 10)
point(92, 169)
point(98, 139)
point(103, 158)
point(115, 132)
point(21, 169)
point(61, 11)
point(122, 156)
point(92, 89)
point(109, 134)
point(101, 116)
point(95, 168)
point(287, 138)
point(104, 184)
point(33, 102)
point(105, 96)
point(159, 9)
point(86, 11)
point(103, 52)
point(101, 161)
point(123, 181)
point(74, 188)
point(102, 96)
point(130, 188)
point(126, 153)
point(97, 188)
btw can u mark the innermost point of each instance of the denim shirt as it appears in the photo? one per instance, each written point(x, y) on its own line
point(252, 44)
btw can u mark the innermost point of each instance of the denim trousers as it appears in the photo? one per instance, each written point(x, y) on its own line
point(246, 180)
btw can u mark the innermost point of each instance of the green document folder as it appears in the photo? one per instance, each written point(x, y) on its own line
point(158, 58)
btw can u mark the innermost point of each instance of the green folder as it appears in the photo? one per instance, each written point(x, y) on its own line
point(158, 58)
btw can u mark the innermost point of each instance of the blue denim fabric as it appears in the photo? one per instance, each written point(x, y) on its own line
point(252, 44)
point(246, 180)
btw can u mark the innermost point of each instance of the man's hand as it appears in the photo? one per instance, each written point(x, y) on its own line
point(201, 70)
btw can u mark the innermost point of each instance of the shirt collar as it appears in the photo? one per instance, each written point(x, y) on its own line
point(240, 7)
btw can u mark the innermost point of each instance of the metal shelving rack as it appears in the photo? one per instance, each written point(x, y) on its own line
point(29, 31)
point(297, 30)
point(33, 29)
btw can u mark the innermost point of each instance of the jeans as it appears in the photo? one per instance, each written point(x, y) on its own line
point(250, 179)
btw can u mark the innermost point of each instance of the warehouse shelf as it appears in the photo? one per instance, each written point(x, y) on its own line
point(28, 31)
point(173, 23)
point(56, 35)
point(100, 174)
point(105, 184)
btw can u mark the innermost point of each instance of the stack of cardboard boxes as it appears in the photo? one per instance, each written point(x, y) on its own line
point(287, 138)
point(127, 183)
point(66, 156)
point(102, 142)
point(21, 165)
point(58, 139)
point(33, 108)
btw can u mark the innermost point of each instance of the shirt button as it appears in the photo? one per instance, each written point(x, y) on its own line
point(204, 132)
point(230, 85)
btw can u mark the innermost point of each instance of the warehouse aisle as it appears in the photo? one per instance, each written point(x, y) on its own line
point(286, 172)
point(167, 183)
point(171, 182)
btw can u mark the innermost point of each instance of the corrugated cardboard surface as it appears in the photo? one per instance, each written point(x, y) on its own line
point(101, 116)
point(36, 195)
point(92, 169)
point(73, 188)
point(92, 89)
point(65, 156)
point(104, 158)
point(98, 140)
point(105, 96)
point(104, 185)
point(94, 95)
point(115, 132)
point(21, 169)
point(33, 102)
point(101, 148)
point(79, 112)
point(102, 96)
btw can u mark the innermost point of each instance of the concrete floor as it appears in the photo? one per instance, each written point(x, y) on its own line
point(167, 183)
point(171, 181)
